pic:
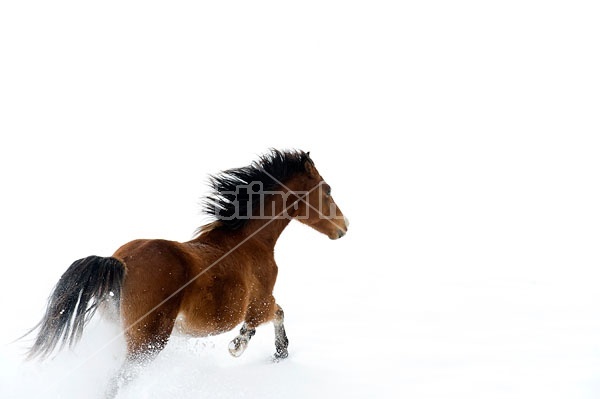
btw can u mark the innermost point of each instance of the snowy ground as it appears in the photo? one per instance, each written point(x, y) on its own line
point(461, 140)
point(367, 328)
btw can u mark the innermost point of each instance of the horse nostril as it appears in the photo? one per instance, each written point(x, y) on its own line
point(341, 233)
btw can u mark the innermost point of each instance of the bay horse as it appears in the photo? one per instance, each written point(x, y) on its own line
point(223, 277)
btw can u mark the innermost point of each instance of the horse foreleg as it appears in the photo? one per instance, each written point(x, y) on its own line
point(240, 343)
point(281, 340)
point(259, 311)
point(262, 312)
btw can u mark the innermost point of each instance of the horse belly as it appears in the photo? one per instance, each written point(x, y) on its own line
point(206, 312)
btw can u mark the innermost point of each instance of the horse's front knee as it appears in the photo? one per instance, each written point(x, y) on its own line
point(279, 315)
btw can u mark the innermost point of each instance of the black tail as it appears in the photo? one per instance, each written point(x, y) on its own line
point(74, 301)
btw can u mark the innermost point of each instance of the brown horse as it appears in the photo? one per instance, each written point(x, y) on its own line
point(221, 278)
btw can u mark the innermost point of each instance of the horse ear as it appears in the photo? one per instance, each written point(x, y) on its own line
point(309, 166)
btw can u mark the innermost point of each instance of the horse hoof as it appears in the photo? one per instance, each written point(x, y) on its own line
point(280, 355)
point(237, 347)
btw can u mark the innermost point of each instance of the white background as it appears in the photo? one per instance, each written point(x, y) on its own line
point(460, 138)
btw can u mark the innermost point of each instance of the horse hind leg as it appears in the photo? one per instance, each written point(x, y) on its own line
point(143, 354)
point(146, 338)
point(139, 355)
point(127, 373)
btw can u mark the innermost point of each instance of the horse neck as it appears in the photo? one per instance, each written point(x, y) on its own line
point(269, 226)
point(265, 230)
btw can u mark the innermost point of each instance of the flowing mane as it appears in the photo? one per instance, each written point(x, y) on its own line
point(229, 203)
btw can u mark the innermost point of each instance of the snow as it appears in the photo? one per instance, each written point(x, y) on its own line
point(459, 138)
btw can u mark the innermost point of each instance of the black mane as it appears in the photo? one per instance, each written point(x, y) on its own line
point(230, 204)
